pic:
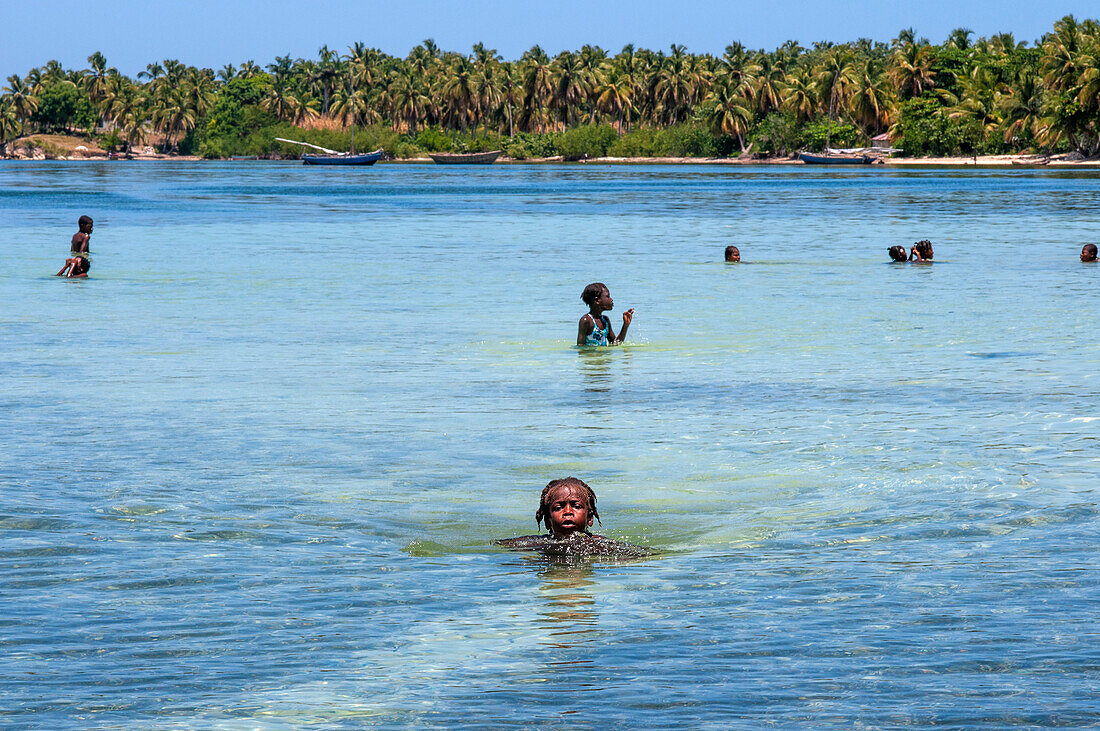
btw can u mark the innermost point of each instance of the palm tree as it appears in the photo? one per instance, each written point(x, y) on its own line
point(95, 80)
point(834, 76)
point(768, 86)
point(458, 89)
point(538, 89)
point(912, 71)
point(9, 124)
point(1021, 107)
point(800, 96)
point(616, 96)
point(22, 101)
point(570, 87)
point(249, 69)
point(960, 38)
point(871, 97)
point(732, 112)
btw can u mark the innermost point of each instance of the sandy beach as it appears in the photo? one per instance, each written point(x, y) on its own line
point(67, 147)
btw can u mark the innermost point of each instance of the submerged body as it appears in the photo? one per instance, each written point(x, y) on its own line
point(576, 544)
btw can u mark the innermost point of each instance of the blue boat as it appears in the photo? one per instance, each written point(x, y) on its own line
point(332, 157)
point(368, 158)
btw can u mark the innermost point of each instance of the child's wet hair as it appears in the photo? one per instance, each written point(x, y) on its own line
point(1089, 249)
point(588, 296)
point(897, 253)
point(543, 513)
point(924, 248)
point(83, 220)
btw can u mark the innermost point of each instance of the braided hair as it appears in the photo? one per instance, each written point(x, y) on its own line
point(543, 513)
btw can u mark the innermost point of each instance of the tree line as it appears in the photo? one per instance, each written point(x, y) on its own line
point(965, 95)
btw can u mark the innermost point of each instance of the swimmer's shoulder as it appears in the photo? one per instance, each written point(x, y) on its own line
point(522, 542)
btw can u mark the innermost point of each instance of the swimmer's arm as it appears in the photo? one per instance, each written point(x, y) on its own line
point(584, 329)
point(628, 317)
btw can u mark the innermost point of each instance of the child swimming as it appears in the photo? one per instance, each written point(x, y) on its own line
point(78, 263)
point(568, 507)
point(595, 327)
point(733, 254)
point(897, 253)
point(1088, 253)
point(921, 251)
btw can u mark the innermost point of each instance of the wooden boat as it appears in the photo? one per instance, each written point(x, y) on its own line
point(367, 158)
point(466, 158)
point(332, 157)
point(834, 159)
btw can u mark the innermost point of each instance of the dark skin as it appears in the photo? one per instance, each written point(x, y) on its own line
point(81, 241)
point(1088, 253)
point(733, 254)
point(568, 511)
point(602, 304)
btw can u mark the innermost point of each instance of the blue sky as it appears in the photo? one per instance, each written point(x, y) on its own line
point(132, 33)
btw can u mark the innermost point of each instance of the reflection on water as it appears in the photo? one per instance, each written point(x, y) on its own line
point(567, 609)
point(598, 366)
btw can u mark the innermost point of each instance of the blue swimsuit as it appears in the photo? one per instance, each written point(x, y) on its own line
point(598, 336)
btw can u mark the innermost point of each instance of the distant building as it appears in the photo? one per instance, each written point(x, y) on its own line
point(882, 140)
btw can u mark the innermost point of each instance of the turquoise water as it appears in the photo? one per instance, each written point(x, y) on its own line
point(250, 468)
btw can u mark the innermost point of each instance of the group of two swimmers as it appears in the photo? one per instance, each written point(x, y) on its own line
point(921, 251)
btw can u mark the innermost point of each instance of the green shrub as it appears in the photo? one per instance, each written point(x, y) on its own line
point(640, 142)
point(686, 140)
point(777, 134)
point(588, 141)
point(527, 145)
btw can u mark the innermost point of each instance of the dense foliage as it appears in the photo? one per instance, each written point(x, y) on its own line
point(963, 96)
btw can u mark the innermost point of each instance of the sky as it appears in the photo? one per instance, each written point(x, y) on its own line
point(212, 33)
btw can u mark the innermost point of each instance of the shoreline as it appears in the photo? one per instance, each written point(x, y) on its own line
point(986, 161)
point(69, 148)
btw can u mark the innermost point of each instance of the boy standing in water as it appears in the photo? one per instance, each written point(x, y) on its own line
point(78, 263)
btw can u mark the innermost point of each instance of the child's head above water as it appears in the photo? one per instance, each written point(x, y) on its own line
point(593, 292)
point(567, 506)
point(897, 253)
point(1088, 252)
point(733, 254)
point(85, 223)
point(924, 249)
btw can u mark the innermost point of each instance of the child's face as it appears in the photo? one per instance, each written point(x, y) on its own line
point(732, 254)
point(604, 301)
point(86, 227)
point(568, 510)
point(1087, 254)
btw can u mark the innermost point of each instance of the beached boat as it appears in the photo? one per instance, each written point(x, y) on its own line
point(465, 158)
point(332, 157)
point(834, 159)
point(368, 158)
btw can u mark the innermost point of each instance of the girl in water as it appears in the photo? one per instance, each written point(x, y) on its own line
point(595, 327)
point(568, 507)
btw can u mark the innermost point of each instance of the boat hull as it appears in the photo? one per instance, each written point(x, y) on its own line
point(473, 158)
point(811, 159)
point(366, 159)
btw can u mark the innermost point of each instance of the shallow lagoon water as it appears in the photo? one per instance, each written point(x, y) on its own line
point(251, 466)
